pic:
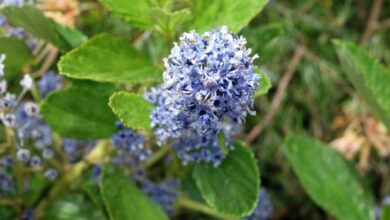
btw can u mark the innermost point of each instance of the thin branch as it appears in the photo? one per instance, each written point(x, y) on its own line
point(372, 21)
point(280, 93)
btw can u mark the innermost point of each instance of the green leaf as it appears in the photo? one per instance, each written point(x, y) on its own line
point(73, 37)
point(167, 22)
point(235, 14)
point(34, 21)
point(73, 207)
point(108, 59)
point(232, 187)
point(329, 179)
point(370, 78)
point(385, 215)
point(266, 40)
point(124, 201)
point(18, 55)
point(265, 83)
point(134, 11)
point(132, 109)
point(80, 111)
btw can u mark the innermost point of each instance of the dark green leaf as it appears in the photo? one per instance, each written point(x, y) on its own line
point(370, 78)
point(232, 187)
point(108, 59)
point(134, 11)
point(329, 179)
point(80, 111)
point(133, 110)
point(17, 55)
point(235, 14)
point(124, 200)
point(34, 21)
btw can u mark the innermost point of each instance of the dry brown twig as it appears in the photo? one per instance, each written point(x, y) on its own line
point(280, 93)
point(372, 21)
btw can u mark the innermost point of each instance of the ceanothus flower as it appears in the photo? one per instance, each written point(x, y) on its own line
point(208, 89)
point(130, 145)
point(49, 82)
point(263, 209)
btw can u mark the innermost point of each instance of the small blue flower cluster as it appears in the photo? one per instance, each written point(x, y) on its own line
point(76, 149)
point(264, 207)
point(49, 82)
point(25, 121)
point(130, 145)
point(164, 194)
point(208, 89)
point(6, 182)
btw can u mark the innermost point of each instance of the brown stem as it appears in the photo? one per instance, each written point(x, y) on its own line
point(280, 92)
point(372, 21)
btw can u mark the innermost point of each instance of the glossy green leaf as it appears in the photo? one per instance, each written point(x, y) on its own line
point(209, 14)
point(232, 187)
point(73, 207)
point(132, 109)
point(124, 200)
point(134, 11)
point(265, 84)
point(329, 179)
point(370, 78)
point(108, 59)
point(80, 111)
point(34, 21)
point(17, 55)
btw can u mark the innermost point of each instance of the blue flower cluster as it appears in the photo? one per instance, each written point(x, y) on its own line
point(164, 194)
point(29, 128)
point(49, 82)
point(208, 89)
point(130, 145)
point(76, 149)
point(264, 207)
point(6, 181)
